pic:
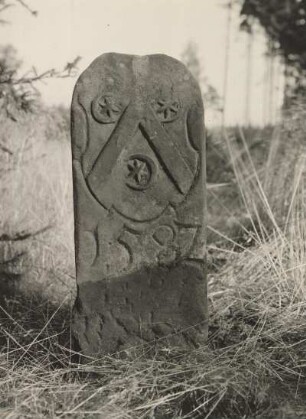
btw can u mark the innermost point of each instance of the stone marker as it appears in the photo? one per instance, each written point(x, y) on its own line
point(139, 198)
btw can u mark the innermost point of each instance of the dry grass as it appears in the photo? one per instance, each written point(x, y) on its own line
point(35, 178)
point(254, 363)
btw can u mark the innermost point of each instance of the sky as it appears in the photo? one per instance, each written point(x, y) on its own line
point(65, 29)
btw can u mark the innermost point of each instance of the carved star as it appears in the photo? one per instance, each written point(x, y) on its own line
point(138, 171)
point(108, 107)
point(167, 109)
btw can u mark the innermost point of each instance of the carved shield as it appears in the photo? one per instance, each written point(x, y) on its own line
point(139, 151)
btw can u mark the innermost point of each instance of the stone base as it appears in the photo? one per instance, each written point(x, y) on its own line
point(164, 304)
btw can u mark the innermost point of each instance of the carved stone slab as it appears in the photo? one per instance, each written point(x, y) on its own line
point(139, 198)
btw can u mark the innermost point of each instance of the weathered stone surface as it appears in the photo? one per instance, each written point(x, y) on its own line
point(139, 198)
